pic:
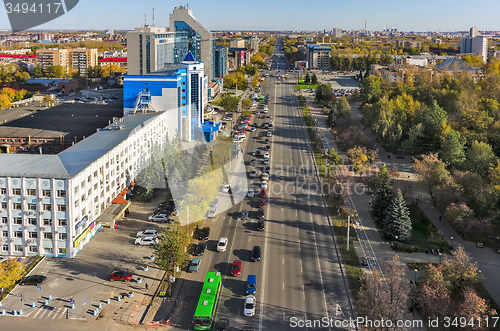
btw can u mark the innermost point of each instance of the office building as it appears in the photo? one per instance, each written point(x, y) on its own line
point(337, 33)
point(318, 56)
point(220, 62)
point(474, 32)
point(237, 43)
point(253, 43)
point(474, 45)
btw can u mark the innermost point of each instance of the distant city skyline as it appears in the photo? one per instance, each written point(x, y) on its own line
point(425, 15)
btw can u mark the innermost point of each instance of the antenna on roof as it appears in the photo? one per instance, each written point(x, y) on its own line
point(145, 24)
point(153, 23)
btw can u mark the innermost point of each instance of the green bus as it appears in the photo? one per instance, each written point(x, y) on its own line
point(204, 315)
point(262, 98)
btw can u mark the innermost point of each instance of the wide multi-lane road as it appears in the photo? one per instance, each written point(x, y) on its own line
point(299, 276)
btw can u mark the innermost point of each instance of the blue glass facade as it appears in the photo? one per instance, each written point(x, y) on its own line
point(193, 39)
point(220, 61)
point(195, 103)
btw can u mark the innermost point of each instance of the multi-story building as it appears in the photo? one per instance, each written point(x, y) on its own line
point(220, 61)
point(237, 43)
point(474, 44)
point(318, 56)
point(52, 57)
point(73, 59)
point(253, 43)
point(336, 33)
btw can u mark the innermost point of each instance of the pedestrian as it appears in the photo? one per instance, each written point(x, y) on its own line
point(116, 226)
point(370, 201)
point(439, 218)
point(422, 198)
point(146, 285)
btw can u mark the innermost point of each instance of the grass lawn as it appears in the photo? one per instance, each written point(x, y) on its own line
point(424, 235)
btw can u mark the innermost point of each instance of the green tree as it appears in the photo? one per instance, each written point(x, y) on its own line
point(397, 222)
point(172, 250)
point(332, 117)
point(307, 79)
point(453, 149)
point(384, 196)
point(480, 158)
point(413, 134)
point(433, 120)
point(371, 88)
point(314, 79)
point(38, 71)
point(343, 107)
point(324, 92)
point(334, 158)
point(385, 59)
point(432, 171)
point(247, 103)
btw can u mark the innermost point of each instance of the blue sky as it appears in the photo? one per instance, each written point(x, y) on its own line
point(404, 15)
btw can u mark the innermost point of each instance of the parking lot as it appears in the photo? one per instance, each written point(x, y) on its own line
point(84, 278)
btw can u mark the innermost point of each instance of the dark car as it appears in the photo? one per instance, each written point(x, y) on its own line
point(205, 232)
point(256, 253)
point(200, 249)
point(260, 213)
point(120, 275)
point(268, 147)
point(223, 325)
point(262, 203)
point(33, 280)
point(267, 141)
point(261, 225)
point(259, 153)
point(253, 162)
point(267, 168)
point(247, 327)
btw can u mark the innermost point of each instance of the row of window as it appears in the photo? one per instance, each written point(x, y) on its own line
point(34, 235)
point(31, 141)
point(32, 192)
point(33, 221)
point(32, 206)
point(33, 249)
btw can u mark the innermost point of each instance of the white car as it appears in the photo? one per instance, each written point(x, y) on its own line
point(249, 307)
point(263, 184)
point(253, 173)
point(147, 233)
point(250, 193)
point(158, 218)
point(226, 188)
point(265, 176)
point(266, 155)
point(222, 244)
point(212, 212)
point(146, 241)
point(253, 128)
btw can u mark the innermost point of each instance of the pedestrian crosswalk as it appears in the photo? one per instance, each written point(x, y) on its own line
point(47, 312)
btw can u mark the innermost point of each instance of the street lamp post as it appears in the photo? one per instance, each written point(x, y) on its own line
point(451, 243)
point(415, 276)
point(440, 258)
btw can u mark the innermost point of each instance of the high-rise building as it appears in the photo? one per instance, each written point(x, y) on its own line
point(474, 44)
point(318, 56)
point(73, 59)
point(474, 32)
point(237, 43)
point(220, 61)
point(337, 33)
point(253, 43)
point(52, 57)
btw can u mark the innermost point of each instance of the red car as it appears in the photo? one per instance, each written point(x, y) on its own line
point(236, 268)
point(262, 203)
point(120, 275)
point(263, 193)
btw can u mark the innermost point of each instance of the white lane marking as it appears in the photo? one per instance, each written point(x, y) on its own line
point(38, 312)
point(45, 310)
point(59, 310)
point(65, 312)
point(283, 285)
point(283, 261)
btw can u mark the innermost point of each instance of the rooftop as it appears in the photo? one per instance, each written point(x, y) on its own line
point(455, 64)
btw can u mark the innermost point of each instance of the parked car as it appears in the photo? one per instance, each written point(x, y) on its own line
point(222, 244)
point(236, 268)
point(158, 217)
point(194, 266)
point(226, 188)
point(265, 176)
point(249, 307)
point(250, 193)
point(267, 141)
point(147, 233)
point(266, 155)
point(262, 203)
point(200, 249)
point(223, 324)
point(268, 147)
point(146, 241)
point(266, 161)
point(212, 212)
point(33, 280)
point(244, 214)
point(263, 193)
point(260, 213)
point(204, 233)
point(256, 253)
point(263, 184)
point(253, 173)
point(261, 225)
point(121, 276)
point(253, 162)
point(215, 203)
point(267, 168)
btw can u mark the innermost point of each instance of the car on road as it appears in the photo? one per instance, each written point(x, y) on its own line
point(253, 162)
point(267, 168)
point(222, 244)
point(244, 214)
point(247, 327)
point(263, 193)
point(262, 203)
point(260, 213)
point(223, 325)
point(268, 147)
point(204, 233)
point(251, 287)
point(62, 99)
point(215, 203)
point(212, 212)
point(261, 225)
point(194, 266)
point(200, 249)
point(72, 94)
point(269, 133)
point(147, 233)
point(263, 184)
point(121, 276)
point(33, 280)
point(253, 128)
point(158, 217)
point(265, 176)
point(256, 253)
point(249, 307)
point(226, 188)
point(266, 161)
point(267, 141)
point(146, 241)
point(236, 268)
point(250, 193)
point(266, 155)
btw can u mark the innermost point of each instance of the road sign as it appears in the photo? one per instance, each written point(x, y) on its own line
point(38, 288)
point(73, 302)
point(84, 300)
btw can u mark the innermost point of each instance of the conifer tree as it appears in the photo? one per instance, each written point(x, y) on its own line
point(384, 196)
point(397, 222)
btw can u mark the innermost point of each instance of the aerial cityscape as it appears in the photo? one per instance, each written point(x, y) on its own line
point(179, 169)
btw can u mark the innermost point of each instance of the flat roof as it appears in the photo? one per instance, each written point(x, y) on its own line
point(32, 165)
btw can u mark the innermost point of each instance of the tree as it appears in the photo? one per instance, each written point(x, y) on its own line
point(480, 158)
point(473, 307)
point(4, 100)
point(384, 196)
point(371, 88)
point(314, 79)
point(397, 222)
point(384, 298)
point(172, 248)
point(343, 107)
point(332, 117)
point(10, 272)
point(334, 157)
point(247, 103)
point(433, 120)
point(413, 134)
point(38, 71)
point(453, 149)
point(432, 171)
point(307, 79)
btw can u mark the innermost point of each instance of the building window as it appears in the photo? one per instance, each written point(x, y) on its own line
point(76, 203)
point(62, 250)
point(83, 212)
point(4, 205)
point(61, 193)
point(96, 198)
point(18, 234)
point(33, 234)
point(16, 206)
point(47, 222)
point(76, 189)
point(62, 236)
point(89, 192)
point(95, 186)
point(47, 207)
point(31, 191)
point(61, 207)
point(18, 220)
point(62, 222)
point(32, 221)
point(32, 206)
point(5, 234)
point(4, 220)
point(95, 174)
point(48, 250)
point(16, 191)
point(3, 191)
point(46, 193)
point(47, 235)
point(33, 249)
point(89, 178)
point(18, 248)
point(83, 197)
point(5, 248)
point(82, 184)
